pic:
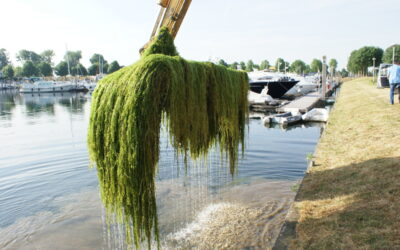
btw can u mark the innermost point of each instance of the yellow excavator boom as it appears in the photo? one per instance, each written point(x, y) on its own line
point(171, 15)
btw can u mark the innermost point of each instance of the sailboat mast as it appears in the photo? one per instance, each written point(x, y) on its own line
point(69, 70)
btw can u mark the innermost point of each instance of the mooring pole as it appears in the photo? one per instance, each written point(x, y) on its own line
point(323, 94)
point(373, 69)
point(394, 52)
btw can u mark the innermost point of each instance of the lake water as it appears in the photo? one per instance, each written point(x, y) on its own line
point(49, 196)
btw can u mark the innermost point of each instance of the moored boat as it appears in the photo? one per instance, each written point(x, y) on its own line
point(316, 115)
point(47, 87)
point(277, 84)
point(283, 119)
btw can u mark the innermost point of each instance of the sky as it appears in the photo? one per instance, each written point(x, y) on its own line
point(233, 30)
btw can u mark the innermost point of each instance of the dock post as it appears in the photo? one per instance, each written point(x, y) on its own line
point(323, 94)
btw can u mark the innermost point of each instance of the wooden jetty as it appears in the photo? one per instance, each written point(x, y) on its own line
point(302, 104)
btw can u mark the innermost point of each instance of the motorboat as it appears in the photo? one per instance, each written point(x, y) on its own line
point(283, 119)
point(47, 87)
point(316, 115)
point(90, 86)
point(277, 84)
point(305, 85)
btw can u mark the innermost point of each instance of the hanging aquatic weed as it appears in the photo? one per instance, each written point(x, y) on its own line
point(202, 104)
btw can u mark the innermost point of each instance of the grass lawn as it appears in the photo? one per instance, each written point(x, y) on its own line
point(351, 198)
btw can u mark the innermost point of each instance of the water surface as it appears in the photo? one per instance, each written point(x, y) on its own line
point(49, 196)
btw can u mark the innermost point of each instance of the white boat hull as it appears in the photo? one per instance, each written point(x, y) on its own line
point(316, 115)
point(32, 88)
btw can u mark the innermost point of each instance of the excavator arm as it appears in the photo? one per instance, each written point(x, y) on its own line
point(171, 15)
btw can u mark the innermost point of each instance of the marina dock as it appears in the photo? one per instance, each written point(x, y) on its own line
point(302, 104)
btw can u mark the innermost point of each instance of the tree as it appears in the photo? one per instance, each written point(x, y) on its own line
point(27, 55)
point(333, 65)
point(93, 69)
point(96, 58)
point(79, 70)
point(8, 71)
point(29, 69)
point(242, 66)
point(264, 65)
point(280, 65)
point(316, 65)
point(45, 69)
point(47, 56)
point(61, 69)
point(298, 66)
point(18, 71)
point(4, 60)
point(234, 65)
point(73, 58)
point(307, 70)
point(388, 55)
point(250, 65)
point(344, 73)
point(114, 66)
point(222, 63)
point(362, 58)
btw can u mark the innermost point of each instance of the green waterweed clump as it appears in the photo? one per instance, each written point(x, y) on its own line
point(201, 104)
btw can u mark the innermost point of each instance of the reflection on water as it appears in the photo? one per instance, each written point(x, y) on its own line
point(50, 200)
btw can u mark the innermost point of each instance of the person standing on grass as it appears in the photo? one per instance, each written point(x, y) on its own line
point(394, 79)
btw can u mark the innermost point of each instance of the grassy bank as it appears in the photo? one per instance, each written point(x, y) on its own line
point(351, 198)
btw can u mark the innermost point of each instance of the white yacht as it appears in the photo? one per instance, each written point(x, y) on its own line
point(47, 87)
point(306, 85)
point(276, 83)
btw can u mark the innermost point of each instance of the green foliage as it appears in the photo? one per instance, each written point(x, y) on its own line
point(316, 65)
point(362, 58)
point(242, 66)
point(73, 57)
point(234, 65)
point(8, 71)
point(4, 60)
point(47, 56)
point(45, 69)
point(61, 69)
point(18, 72)
point(333, 64)
point(222, 63)
point(344, 73)
point(298, 66)
point(27, 55)
point(94, 69)
point(264, 64)
point(114, 66)
point(79, 70)
point(250, 65)
point(201, 104)
point(388, 55)
point(307, 70)
point(280, 65)
point(96, 58)
point(29, 69)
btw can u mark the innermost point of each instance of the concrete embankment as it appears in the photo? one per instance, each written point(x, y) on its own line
point(350, 197)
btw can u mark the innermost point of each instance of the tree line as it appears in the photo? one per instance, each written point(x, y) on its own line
point(361, 59)
point(34, 64)
point(297, 66)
